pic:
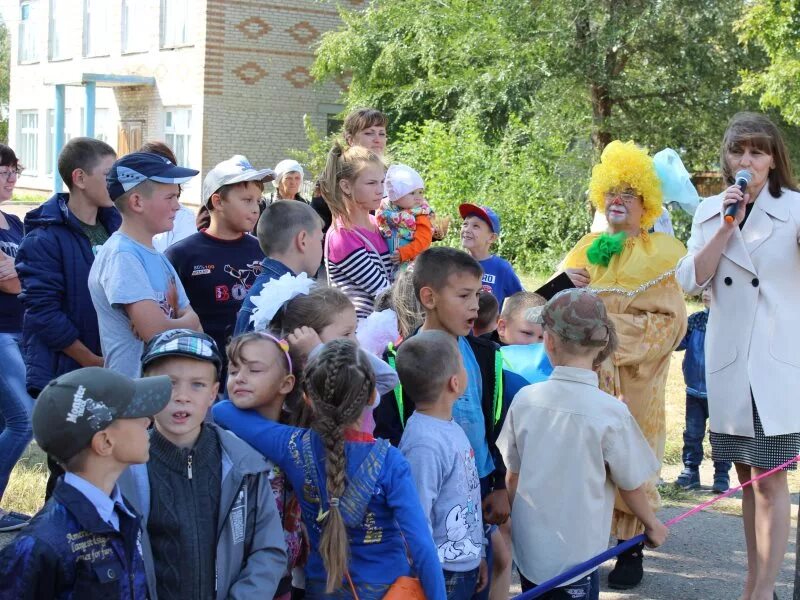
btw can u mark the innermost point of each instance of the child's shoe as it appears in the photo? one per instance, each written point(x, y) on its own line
point(722, 483)
point(689, 479)
point(628, 571)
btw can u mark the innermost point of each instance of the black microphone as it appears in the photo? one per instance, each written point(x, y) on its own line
point(743, 177)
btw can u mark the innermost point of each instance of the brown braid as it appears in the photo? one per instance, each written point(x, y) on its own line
point(339, 382)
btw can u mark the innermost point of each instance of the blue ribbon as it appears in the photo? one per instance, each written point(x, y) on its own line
point(584, 567)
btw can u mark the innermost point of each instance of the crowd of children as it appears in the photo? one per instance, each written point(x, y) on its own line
point(215, 430)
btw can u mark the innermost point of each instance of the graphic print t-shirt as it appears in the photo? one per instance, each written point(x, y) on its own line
point(216, 275)
point(499, 278)
point(443, 467)
point(10, 307)
point(125, 272)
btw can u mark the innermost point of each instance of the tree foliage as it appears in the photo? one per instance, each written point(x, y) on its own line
point(654, 71)
point(774, 26)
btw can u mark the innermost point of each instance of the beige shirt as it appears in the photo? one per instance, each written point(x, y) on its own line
point(571, 444)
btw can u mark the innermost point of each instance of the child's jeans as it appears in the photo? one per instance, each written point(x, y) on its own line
point(586, 588)
point(460, 586)
point(696, 417)
point(15, 406)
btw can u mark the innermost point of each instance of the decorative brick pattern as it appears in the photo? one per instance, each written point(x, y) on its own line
point(254, 27)
point(304, 32)
point(250, 72)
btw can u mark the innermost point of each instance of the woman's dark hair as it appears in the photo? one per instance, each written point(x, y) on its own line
point(7, 157)
point(339, 383)
point(757, 131)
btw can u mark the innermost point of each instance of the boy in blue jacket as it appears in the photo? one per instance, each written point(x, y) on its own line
point(84, 543)
point(59, 330)
point(694, 374)
point(62, 236)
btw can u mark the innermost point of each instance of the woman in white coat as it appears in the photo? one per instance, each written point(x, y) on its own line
point(753, 332)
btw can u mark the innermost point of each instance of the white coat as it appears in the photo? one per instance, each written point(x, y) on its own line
point(753, 332)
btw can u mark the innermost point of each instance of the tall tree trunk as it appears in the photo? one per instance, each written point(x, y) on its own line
point(601, 111)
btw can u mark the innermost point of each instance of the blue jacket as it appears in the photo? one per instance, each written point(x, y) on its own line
point(380, 505)
point(273, 269)
point(53, 263)
point(694, 361)
point(68, 552)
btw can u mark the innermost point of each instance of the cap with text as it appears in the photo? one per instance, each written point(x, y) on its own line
point(137, 167)
point(75, 406)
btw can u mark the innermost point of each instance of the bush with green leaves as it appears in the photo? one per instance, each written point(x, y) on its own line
point(536, 184)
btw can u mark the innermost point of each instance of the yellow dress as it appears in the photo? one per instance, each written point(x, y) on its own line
point(646, 304)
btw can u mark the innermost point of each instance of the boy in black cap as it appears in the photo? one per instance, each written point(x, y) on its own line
point(84, 543)
point(135, 290)
point(205, 497)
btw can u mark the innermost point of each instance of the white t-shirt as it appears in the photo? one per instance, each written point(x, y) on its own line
point(571, 443)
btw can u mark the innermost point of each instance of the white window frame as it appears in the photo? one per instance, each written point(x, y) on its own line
point(135, 26)
point(176, 23)
point(178, 132)
point(96, 28)
point(27, 146)
point(28, 48)
point(58, 45)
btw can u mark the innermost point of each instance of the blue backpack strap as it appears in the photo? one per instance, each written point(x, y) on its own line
point(360, 488)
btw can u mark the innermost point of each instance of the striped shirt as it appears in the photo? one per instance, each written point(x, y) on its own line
point(355, 268)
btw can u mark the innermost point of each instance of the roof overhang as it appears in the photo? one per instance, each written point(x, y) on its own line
point(106, 80)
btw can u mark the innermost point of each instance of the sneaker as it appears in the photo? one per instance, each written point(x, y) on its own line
point(11, 523)
point(689, 479)
point(722, 484)
point(628, 571)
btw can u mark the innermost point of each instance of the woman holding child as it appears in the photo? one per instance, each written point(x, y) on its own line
point(633, 272)
point(752, 263)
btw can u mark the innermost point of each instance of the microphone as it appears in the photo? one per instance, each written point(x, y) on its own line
point(743, 177)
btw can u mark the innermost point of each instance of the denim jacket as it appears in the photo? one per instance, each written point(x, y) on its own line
point(273, 269)
point(694, 361)
point(68, 552)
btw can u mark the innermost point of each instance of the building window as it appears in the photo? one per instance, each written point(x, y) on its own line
point(102, 125)
point(96, 28)
point(28, 140)
point(135, 21)
point(72, 128)
point(177, 133)
point(28, 34)
point(175, 25)
point(59, 32)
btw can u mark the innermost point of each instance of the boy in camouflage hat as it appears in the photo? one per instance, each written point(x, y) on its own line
point(568, 420)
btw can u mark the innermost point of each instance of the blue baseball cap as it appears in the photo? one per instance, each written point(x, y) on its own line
point(484, 213)
point(136, 167)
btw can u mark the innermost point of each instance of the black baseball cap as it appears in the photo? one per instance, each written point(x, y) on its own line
point(75, 406)
point(183, 342)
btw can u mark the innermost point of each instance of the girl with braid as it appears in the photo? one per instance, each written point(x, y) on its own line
point(358, 499)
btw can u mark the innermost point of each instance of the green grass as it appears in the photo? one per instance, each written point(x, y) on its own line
point(30, 198)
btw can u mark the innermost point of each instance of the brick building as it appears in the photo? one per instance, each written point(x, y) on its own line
point(209, 77)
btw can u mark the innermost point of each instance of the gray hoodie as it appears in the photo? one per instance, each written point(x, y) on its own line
point(251, 553)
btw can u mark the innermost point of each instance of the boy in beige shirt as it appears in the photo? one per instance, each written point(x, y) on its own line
point(561, 516)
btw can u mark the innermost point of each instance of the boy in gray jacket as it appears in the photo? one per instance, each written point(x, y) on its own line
point(209, 516)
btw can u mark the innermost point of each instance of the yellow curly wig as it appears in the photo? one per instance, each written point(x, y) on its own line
point(626, 164)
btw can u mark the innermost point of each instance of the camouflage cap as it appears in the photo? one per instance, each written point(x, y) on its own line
point(576, 315)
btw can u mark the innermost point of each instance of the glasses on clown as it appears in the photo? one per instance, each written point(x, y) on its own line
point(628, 197)
point(8, 173)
